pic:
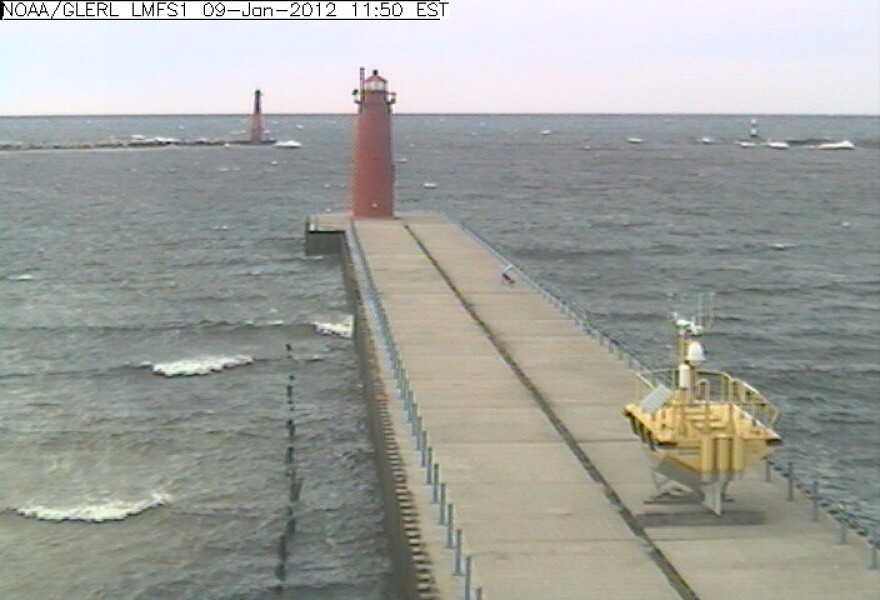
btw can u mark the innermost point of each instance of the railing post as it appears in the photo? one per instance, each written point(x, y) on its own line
point(450, 524)
point(815, 493)
point(442, 504)
point(873, 541)
point(458, 545)
point(468, 566)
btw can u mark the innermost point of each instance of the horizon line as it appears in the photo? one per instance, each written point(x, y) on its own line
point(454, 114)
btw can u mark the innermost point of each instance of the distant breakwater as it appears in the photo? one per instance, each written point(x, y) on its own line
point(127, 144)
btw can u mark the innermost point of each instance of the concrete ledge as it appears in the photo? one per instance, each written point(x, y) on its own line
point(475, 424)
point(767, 564)
point(531, 463)
point(323, 237)
point(608, 570)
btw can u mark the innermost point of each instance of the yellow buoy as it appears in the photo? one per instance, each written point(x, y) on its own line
point(701, 428)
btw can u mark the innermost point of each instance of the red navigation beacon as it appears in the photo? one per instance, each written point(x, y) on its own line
point(258, 131)
point(372, 177)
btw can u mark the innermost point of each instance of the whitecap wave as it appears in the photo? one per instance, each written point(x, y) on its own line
point(114, 510)
point(783, 246)
point(200, 366)
point(22, 277)
point(343, 329)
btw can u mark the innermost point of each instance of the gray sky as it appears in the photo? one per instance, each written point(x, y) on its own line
point(489, 56)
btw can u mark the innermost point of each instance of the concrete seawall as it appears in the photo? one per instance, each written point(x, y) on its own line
point(509, 472)
point(414, 573)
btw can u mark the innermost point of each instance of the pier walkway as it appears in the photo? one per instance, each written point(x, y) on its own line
point(508, 411)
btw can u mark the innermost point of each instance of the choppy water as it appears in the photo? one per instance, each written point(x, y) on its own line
point(114, 262)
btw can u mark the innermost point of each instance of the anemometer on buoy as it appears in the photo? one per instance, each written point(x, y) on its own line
point(690, 354)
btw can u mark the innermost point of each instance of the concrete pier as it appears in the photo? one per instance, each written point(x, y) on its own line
point(506, 416)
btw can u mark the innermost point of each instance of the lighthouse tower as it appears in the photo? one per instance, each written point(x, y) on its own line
point(372, 178)
point(258, 132)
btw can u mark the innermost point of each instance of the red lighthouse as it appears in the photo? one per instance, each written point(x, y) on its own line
point(258, 132)
point(372, 185)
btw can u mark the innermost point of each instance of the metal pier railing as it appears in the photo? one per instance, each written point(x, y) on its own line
point(577, 314)
point(463, 564)
point(463, 567)
point(837, 509)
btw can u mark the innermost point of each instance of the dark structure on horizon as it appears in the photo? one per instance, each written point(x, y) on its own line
point(258, 130)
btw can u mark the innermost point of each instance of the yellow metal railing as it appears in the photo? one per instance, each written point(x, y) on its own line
point(718, 387)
